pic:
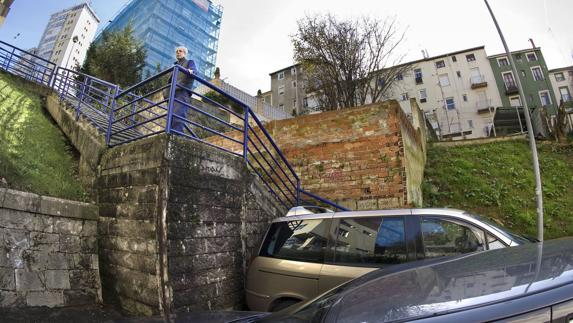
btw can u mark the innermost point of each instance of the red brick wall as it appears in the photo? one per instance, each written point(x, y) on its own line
point(354, 157)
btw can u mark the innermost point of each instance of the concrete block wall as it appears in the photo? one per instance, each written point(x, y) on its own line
point(131, 187)
point(218, 213)
point(178, 222)
point(49, 251)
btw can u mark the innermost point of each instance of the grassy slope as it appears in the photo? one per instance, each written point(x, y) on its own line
point(34, 155)
point(496, 180)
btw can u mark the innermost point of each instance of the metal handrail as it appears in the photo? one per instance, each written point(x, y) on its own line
point(87, 92)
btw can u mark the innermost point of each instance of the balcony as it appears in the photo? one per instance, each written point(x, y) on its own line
point(478, 81)
point(419, 80)
point(511, 88)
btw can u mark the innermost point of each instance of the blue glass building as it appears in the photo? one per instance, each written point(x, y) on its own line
point(163, 25)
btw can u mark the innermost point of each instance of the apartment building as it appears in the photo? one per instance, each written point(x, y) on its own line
point(67, 36)
point(562, 82)
point(163, 25)
point(288, 91)
point(533, 74)
point(456, 91)
point(266, 97)
point(4, 9)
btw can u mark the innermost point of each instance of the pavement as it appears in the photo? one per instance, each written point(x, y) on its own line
point(83, 314)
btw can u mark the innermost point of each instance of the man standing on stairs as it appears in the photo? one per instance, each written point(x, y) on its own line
point(184, 95)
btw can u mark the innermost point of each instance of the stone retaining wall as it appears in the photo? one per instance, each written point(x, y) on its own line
point(178, 222)
point(49, 251)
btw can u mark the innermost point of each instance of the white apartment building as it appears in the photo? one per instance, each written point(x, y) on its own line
point(562, 83)
point(57, 44)
point(457, 92)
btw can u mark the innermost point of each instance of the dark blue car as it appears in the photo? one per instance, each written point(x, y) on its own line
point(528, 283)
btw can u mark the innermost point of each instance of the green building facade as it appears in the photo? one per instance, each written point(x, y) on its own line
point(534, 77)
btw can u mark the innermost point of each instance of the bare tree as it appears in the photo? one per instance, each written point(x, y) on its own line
point(348, 62)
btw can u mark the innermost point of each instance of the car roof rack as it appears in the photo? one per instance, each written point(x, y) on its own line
point(307, 209)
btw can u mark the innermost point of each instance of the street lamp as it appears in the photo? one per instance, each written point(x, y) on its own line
point(532, 144)
point(75, 39)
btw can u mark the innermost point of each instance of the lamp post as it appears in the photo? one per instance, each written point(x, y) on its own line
point(75, 39)
point(532, 144)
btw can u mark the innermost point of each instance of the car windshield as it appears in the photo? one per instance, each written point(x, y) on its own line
point(508, 233)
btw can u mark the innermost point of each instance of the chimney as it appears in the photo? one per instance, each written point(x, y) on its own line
point(532, 43)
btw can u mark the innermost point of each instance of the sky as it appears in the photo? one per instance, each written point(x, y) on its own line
point(255, 34)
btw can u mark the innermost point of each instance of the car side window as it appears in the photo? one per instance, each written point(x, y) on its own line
point(446, 238)
point(301, 240)
point(494, 243)
point(370, 242)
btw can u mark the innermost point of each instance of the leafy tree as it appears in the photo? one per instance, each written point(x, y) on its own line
point(117, 58)
point(348, 62)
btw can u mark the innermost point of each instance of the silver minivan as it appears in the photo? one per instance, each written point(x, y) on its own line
point(305, 253)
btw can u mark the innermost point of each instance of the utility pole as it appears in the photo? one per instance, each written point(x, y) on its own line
point(532, 144)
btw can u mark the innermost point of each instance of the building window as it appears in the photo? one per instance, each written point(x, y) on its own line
point(508, 80)
point(531, 57)
point(470, 124)
point(293, 70)
point(423, 95)
point(418, 76)
point(470, 57)
point(293, 83)
point(294, 103)
point(565, 95)
point(459, 74)
point(545, 98)
point(281, 90)
point(454, 59)
point(404, 96)
point(503, 61)
point(559, 77)
point(440, 64)
point(450, 104)
point(537, 74)
point(465, 97)
point(281, 75)
point(281, 106)
point(444, 80)
point(399, 77)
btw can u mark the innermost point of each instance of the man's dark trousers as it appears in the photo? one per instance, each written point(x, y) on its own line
point(180, 109)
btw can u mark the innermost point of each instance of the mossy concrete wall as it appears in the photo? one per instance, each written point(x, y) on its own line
point(178, 222)
point(49, 251)
point(83, 136)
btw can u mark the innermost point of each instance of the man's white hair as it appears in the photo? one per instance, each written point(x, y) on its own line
point(183, 48)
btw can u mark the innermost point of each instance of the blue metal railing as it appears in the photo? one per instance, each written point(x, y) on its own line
point(161, 104)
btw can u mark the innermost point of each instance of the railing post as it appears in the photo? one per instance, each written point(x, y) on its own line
point(246, 134)
point(133, 110)
point(51, 78)
point(110, 123)
point(298, 192)
point(66, 84)
point(171, 98)
point(81, 97)
point(10, 59)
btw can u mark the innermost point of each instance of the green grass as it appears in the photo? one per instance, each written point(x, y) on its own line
point(496, 180)
point(34, 154)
